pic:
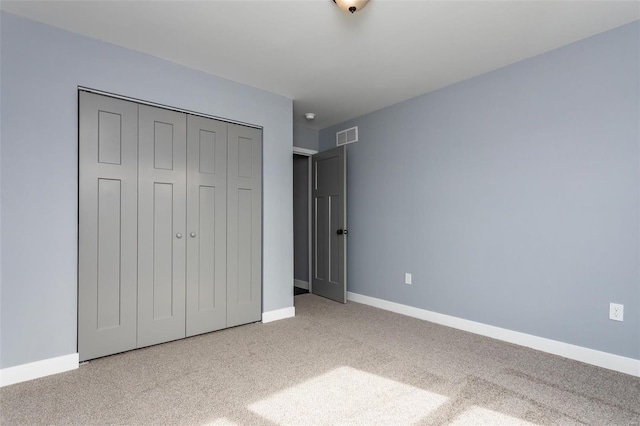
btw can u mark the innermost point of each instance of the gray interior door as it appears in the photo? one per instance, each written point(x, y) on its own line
point(329, 221)
point(107, 240)
point(161, 225)
point(244, 225)
point(206, 225)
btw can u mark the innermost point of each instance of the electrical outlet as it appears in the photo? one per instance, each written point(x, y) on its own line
point(616, 312)
point(407, 278)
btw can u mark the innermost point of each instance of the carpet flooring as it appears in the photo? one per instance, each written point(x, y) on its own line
point(332, 364)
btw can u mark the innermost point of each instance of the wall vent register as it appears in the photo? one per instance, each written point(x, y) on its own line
point(346, 136)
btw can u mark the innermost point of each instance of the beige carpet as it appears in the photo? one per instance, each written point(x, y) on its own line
point(331, 364)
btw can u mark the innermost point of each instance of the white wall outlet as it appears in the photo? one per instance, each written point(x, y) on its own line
point(616, 312)
point(407, 278)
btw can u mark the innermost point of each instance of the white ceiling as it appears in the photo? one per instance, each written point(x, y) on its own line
point(337, 65)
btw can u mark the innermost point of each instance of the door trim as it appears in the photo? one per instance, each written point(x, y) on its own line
point(304, 152)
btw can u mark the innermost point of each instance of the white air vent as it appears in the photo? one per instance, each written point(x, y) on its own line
point(346, 136)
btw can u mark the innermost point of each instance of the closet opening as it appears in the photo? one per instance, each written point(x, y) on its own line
point(170, 224)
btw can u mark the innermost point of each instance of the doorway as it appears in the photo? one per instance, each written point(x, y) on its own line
point(302, 220)
point(320, 222)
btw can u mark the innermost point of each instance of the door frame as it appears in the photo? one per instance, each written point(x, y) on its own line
point(305, 152)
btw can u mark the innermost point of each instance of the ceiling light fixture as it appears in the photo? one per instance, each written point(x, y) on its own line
point(351, 5)
point(310, 116)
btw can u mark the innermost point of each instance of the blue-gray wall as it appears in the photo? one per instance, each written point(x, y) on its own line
point(41, 69)
point(305, 137)
point(512, 197)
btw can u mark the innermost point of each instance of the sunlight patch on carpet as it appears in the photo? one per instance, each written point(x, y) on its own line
point(348, 396)
point(483, 416)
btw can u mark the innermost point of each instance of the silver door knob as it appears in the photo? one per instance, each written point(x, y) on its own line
point(178, 235)
point(193, 234)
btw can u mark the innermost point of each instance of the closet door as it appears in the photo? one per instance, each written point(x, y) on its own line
point(107, 240)
point(244, 225)
point(206, 225)
point(161, 225)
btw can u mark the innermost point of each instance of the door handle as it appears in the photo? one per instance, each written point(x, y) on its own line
point(193, 235)
point(342, 231)
point(178, 236)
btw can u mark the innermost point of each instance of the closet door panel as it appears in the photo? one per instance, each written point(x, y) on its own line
point(161, 225)
point(107, 240)
point(206, 225)
point(244, 225)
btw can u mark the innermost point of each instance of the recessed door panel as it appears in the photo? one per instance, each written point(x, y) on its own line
point(327, 174)
point(245, 241)
point(206, 225)
point(329, 220)
point(161, 225)
point(207, 249)
point(109, 137)
point(162, 145)
point(162, 250)
point(335, 240)
point(244, 226)
point(109, 253)
point(107, 229)
point(207, 153)
point(245, 160)
point(320, 229)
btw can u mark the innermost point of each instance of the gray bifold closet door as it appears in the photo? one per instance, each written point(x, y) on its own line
point(206, 225)
point(244, 225)
point(170, 230)
point(108, 226)
point(161, 225)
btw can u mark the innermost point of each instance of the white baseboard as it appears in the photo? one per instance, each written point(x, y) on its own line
point(590, 356)
point(301, 284)
point(278, 314)
point(35, 370)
